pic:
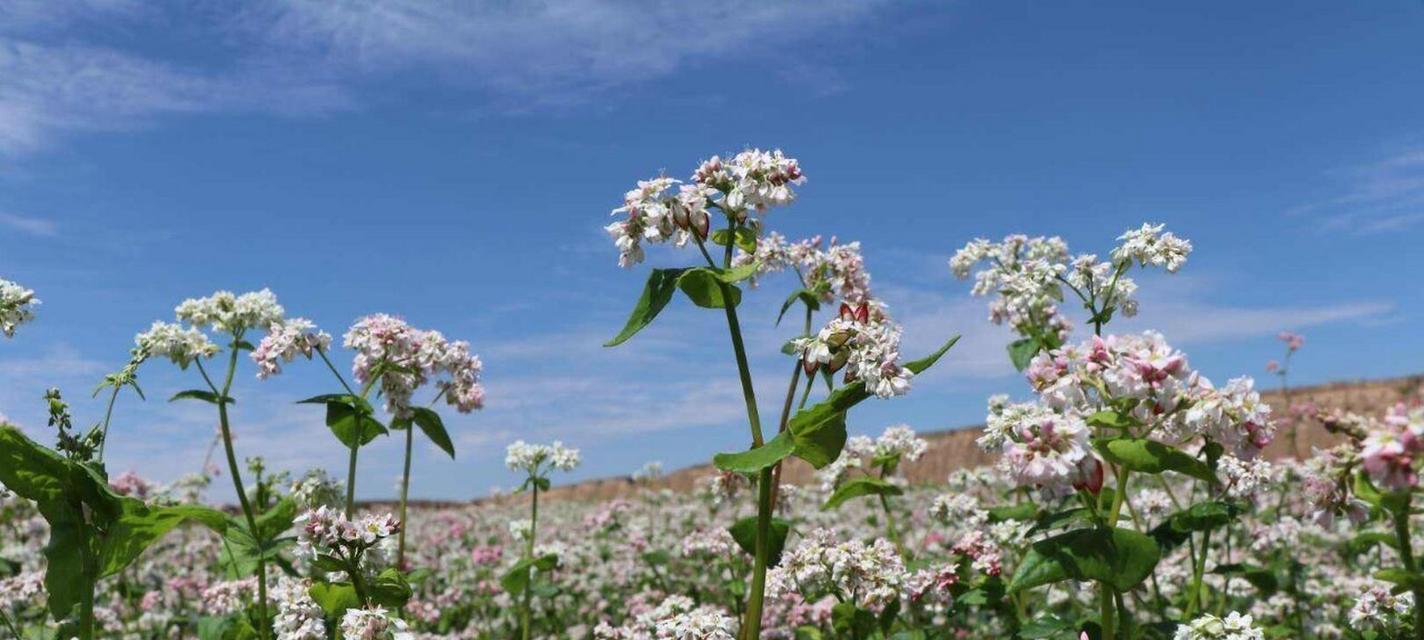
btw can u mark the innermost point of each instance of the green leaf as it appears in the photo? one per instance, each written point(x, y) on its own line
point(754, 460)
point(807, 296)
point(1204, 516)
point(1111, 420)
point(277, 520)
point(858, 487)
point(334, 598)
point(852, 622)
point(1150, 456)
point(819, 441)
point(516, 580)
point(1119, 558)
point(746, 238)
point(350, 426)
point(1047, 626)
point(708, 289)
point(390, 589)
point(1407, 579)
point(1022, 351)
point(199, 394)
point(140, 526)
point(1365, 541)
point(434, 428)
point(656, 294)
point(1054, 520)
point(919, 366)
point(1023, 512)
point(744, 532)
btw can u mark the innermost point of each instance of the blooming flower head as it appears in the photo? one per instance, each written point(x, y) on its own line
point(1150, 245)
point(535, 458)
point(178, 344)
point(286, 340)
point(298, 616)
point(1209, 627)
point(326, 530)
point(863, 340)
point(752, 180)
point(1391, 447)
point(406, 358)
point(17, 306)
point(371, 624)
point(870, 575)
point(1293, 341)
point(230, 313)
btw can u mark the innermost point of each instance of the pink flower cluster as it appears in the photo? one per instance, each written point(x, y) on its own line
point(1391, 447)
point(406, 358)
point(330, 530)
point(284, 342)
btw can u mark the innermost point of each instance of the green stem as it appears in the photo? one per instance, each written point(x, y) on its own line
point(529, 554)
point(1106, 610)
point(108, 413)
point(405, 493)
point(1406, 556)
point(226, 426)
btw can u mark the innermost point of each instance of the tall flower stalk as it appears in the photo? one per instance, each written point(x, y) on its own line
point(740, 191)
point(537, 462)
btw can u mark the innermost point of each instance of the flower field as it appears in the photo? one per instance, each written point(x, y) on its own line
point(1129, 496)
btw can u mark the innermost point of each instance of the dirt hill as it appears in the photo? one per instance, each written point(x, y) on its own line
point(955, 449)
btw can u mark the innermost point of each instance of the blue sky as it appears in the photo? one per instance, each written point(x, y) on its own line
point(454, 162)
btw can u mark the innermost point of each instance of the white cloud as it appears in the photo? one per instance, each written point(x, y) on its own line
point(1379, 197)
point(299, 56)
point(29, 225)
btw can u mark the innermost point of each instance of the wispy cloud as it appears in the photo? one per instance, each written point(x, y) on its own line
point(1379, 197)
point(26, 224)
point(300, 56)
point(54, 89)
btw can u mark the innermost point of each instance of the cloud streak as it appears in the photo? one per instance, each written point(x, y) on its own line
point(302, 57)
point(1380, 197)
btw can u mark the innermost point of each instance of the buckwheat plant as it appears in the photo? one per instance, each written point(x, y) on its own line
point(1282, 368)
point(1114, 405)
point(867, 467)
point(537, 461)
point(725, 204)
point(397, 360)
point(17, 306)
point(1380, 468)
point(95, 528)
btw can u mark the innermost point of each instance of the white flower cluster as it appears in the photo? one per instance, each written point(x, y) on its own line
point(1027, 275)
point(1023, 272)
point(21, 590)
point(17, 306)
point(959, 509)
point(406, 358)
point(285, 340)
point(676, 617)
point(175, 342)
point(1209, 627)
point(298, 616)
point(871, 575)
point(325, 529)
point(1377, 607)
point(227, 312)
point(317, 489)
point(702, 623)
point(865, 342)
point(837, 272)
point(1150, 245)
point(372, 624)
point(1244, 478)
point(532, 457)
point(897, 444)
point(752, 179)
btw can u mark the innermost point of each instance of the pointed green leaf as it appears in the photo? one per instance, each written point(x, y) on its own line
point(754, 460)
point(662, 283)
point(744, 532)
point(1120, 558)
point(858, 487)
